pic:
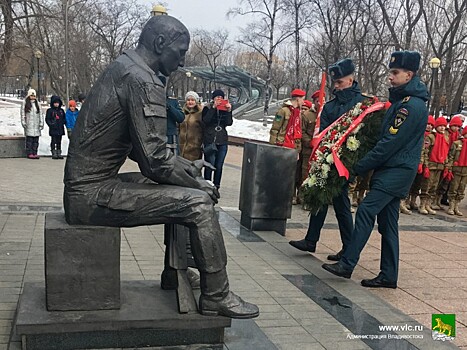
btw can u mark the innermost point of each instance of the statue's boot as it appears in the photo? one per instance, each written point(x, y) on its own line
point(217, 299)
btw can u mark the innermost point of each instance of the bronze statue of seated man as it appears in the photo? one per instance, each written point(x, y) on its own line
point(125, 116)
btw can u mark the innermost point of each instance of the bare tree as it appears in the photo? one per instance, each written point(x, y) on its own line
point(211, 45)
point(301, 17)
point(265, 34)
point(447, 33)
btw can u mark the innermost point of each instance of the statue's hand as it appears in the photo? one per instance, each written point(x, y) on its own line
point(209, 188)
point(200, 164)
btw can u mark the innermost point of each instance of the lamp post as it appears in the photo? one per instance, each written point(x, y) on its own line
point(38, 55)
point(158, 10)
point(434, 65)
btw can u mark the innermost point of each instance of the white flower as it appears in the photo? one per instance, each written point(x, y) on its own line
point(357, 109)
point(352, 143)
point(330, 158)
point(310, 181)
point(325, 168)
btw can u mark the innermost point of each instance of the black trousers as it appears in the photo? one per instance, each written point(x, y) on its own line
point(56, 142)
point(32, 144)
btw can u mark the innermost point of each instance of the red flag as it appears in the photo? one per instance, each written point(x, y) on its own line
point(320, 107)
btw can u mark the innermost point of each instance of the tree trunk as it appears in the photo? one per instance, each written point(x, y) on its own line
point(7, 12)
point(455, 104)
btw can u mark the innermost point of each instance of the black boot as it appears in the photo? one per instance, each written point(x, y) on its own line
point(59, 154)
point(54, 153)
point(335, 257)
point(217, 299)
point(337, 269)
point(304, 245)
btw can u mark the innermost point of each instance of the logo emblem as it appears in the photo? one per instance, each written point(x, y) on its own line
point(400, 118)
point(393, 58)
point(443, 326)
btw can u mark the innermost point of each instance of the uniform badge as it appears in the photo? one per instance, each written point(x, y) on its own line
point(406, 99)
point(393, 131)
point(400, 119)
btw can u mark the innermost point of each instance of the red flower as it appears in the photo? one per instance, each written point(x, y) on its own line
point(363, 107)
point(387, 105)
point(456, 163)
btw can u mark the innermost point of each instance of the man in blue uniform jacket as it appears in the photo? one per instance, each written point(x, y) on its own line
point(347, 94)
point(394, 160)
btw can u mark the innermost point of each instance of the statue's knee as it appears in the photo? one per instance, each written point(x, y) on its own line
point(204, 206)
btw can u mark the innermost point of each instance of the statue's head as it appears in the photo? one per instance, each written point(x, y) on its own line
point(167, 40)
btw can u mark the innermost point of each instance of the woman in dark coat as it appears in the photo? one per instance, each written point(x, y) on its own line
point(55, 119)
point(216, 117)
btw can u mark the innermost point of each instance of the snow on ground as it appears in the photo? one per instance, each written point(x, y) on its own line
point(250, 130)
point(10, 125)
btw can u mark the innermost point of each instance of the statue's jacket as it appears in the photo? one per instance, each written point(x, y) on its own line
point(127, 110)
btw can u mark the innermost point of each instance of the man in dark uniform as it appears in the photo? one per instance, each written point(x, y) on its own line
point(125, 116)
point(395, 160)
point(347, 94)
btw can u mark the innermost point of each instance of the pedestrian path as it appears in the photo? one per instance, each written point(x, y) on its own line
point(302, 306)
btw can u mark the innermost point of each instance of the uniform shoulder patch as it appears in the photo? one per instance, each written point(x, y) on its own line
point(401, 116)
point(277, 118)
point(406, 99)
point(393, 130)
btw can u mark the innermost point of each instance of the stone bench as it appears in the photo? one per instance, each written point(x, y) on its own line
point(82, 266)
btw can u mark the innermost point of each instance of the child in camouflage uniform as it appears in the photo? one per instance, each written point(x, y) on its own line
point(435, 159)
point(457, 163)
point(411, 202)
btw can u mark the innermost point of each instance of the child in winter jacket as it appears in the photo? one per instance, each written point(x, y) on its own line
point(435, 159)
point(33, 122)
point(457, 165)
point(55, 119)
point(70, 117)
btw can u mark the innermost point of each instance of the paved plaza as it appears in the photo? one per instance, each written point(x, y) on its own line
point(302, 306)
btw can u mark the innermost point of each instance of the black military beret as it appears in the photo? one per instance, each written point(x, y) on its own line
point(341, 69)
point(409, 60)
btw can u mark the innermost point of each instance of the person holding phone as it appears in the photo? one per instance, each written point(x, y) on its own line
point(216, 117)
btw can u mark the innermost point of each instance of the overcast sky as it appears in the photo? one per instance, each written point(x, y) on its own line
point(204, 14)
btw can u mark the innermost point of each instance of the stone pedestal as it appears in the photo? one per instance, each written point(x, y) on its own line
point(12, 146)
point(148, 317)
point(82, 266)
point(268, 176)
